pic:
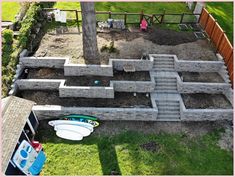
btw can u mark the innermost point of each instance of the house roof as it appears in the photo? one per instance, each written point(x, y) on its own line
point(15, 112)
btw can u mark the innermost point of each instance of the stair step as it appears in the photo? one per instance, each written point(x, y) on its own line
point(169, 108)
point(164, 59)
point(161, 103)
point(163, 62)
point(167, 112)
point(160, 87)
point(166, 84)
point(163, 116)
point(165, 91)
point(163, 65)
point(163, 69)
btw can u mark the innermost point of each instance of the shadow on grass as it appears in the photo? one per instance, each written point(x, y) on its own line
point(122, 154)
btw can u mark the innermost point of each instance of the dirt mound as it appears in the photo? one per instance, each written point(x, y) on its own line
point(170, 37)
point(150, 146)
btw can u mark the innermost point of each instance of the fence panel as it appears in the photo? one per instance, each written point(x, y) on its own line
point(210, 25)
point(203, 18)
point(217, 35)
point(172, 18)
point(189, 18)
point(219, 39)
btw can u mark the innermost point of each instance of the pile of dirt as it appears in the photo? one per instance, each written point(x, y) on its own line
point(201, 77)
point(131, 45)
point(170, 37)
point(150, 146)
point(206, 101)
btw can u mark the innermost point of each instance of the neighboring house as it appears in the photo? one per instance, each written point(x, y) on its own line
point(18, 123)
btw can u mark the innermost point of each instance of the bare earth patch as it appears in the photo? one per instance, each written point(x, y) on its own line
point(129, 45)
point(201, 77)
point(205, 101)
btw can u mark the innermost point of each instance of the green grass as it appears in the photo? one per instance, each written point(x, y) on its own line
point(9, 10)
point(223, 13)
point(178, 154)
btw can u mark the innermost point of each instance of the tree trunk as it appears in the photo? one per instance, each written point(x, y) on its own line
point(90, 50)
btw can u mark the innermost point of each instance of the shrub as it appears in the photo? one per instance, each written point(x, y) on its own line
point(7, 36)
point(110, 48)
point(29, 21)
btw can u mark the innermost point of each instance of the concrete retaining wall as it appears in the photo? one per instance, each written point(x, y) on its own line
point(199, 87)
point(134, 86)
point(139, 65)
point(83, 69)
point(38, 84)
point(138, 114)
point(198, 66)
point(37, 62)
point(86, 92)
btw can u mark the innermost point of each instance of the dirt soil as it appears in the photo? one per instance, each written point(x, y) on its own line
point(129, 45)
point(205, 101)
point(201, 77)
point(123, 100)
point(52, 73)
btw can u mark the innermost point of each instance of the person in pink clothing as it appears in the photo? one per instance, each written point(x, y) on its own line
point(144, 25)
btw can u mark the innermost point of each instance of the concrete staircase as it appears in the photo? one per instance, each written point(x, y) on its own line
point(163, 64)
point(168, 110)
point(165, 85)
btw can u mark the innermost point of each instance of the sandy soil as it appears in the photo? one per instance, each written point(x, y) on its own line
point(201, 77)
point(124, 100)
point(129, 45)
point(205, 101)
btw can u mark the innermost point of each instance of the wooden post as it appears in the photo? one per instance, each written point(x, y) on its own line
point(220, 40)
point(182, 16)
point(207, 21)
point(125, 16)
point(201, 15)
point(163, 16)
point(213, 28)
point(110, 15)
point(77, 21)
point(141, 16)
point(151, 21)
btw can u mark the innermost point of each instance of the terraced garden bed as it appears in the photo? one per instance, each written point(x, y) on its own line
point(211, 77)
point(51, 73)
point(121, 100)
point(206, 101)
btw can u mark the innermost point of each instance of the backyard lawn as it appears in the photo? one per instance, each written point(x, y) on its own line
point(133, 153)
point(9, 10)
point(223, 13)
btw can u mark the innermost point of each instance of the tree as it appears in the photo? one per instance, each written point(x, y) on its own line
point(90, 49)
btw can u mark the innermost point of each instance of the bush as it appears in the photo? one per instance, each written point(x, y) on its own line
point(26, 25)
point(110, 48)
point(7, 36)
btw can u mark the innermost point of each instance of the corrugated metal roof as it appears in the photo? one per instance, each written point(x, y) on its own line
point(15, 112)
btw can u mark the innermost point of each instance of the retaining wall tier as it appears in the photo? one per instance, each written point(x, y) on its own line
point(138, 114)
point(139, 65)
point(199, 87)
point(134, 86)
point(49, 62)
point(198, 66)
point(38, 84)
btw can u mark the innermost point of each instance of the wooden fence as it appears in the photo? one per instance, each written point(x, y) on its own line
point(219, 39)
point(135, 18)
